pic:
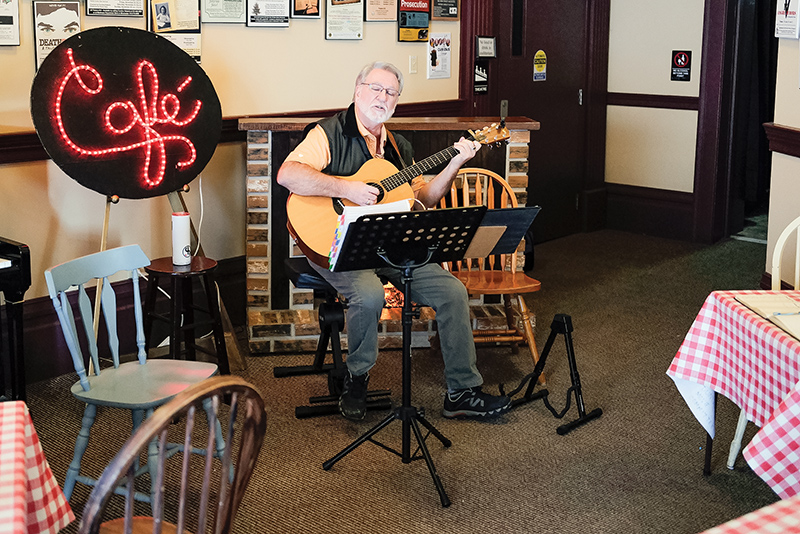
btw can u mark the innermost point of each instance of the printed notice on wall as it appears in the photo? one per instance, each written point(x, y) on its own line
point(9, 22)
point(439, 56)
point(786, 19)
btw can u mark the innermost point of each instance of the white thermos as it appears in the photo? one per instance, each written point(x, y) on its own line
point(181, 245)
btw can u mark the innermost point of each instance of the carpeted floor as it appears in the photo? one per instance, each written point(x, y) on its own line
point(637, 469)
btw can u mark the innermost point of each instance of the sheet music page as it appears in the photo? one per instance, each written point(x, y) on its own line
point(352, 213)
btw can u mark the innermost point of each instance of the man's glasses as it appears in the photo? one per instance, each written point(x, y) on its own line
point(378, 88)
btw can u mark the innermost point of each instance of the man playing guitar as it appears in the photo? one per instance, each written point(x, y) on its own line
point(337, 148)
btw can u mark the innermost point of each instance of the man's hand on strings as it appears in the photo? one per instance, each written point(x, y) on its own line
point(361, 193)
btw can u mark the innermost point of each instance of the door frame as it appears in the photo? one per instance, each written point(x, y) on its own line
point(477, 18)
point(710, 203)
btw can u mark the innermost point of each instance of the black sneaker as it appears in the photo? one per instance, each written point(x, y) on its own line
point(472, 402)
point(353, 402)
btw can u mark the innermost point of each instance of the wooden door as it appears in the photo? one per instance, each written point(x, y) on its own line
point(557, 151)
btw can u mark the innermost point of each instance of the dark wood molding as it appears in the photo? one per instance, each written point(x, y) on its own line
point(653, 101)
point(656, 212)
point(20, 147)
point(593, 190)
point(783, 139)
point(711, 171)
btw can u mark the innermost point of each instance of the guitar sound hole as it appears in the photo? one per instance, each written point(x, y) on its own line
point(381, 192)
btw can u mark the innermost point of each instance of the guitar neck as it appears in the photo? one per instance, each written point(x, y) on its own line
point(421, 167)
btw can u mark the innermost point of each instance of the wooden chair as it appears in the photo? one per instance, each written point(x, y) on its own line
point(244, 433)
point(140, 385)
point(496, 275)
point(776, 285)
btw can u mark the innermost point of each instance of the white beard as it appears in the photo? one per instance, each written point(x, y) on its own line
point(379, 116)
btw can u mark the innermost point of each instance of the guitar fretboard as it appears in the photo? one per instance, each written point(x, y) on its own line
point(421, 167)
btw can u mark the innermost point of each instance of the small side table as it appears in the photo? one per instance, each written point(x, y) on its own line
point(176, 280)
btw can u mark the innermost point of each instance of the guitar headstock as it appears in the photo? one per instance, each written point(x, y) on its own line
point(490, 135)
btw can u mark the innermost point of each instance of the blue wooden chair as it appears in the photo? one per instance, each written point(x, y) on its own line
point(140, 385)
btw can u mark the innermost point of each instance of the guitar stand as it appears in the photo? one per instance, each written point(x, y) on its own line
point(562, 324)
point(410, 416)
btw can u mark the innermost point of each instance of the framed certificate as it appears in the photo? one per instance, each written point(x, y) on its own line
point(485, 47)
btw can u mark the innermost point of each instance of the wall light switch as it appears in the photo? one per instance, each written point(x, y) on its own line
point(412, 64)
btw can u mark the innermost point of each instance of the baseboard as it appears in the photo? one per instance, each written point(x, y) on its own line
point(648, 211)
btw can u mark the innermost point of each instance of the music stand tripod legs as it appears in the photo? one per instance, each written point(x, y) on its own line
point(408, 415)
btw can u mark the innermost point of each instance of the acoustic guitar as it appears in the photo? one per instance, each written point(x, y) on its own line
point(312, 220)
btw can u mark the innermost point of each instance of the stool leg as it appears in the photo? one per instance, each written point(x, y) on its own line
point(176, 334)
point(189, 334)
point(149, 309)
point(219, 334)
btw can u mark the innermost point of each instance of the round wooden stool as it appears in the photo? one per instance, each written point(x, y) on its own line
point(176, 280)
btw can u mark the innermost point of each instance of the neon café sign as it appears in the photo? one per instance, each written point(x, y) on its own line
point(125, 112)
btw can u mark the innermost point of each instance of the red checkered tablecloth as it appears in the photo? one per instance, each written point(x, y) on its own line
point(781, 517)
point(733, 351)
point(31, 500)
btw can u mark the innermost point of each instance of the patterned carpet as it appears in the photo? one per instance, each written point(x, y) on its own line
point(637, 469)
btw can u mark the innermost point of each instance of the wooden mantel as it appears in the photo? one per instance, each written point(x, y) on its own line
point(280, 318)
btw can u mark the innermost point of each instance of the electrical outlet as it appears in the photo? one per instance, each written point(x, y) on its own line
point(412, 64)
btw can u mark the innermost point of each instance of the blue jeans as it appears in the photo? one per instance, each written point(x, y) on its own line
point(431, 286)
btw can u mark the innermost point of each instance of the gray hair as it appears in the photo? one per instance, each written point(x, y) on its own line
point(383, 65)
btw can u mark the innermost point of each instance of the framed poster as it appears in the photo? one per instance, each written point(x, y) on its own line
point(268, 13)
point(174, 15)
point(344, 19)
point(223, 11)
point(52, 23)
point(380, 10)
point(413, 20)
point(9, 22)
point(305, 9)
point(114, 8)
point(446, 10)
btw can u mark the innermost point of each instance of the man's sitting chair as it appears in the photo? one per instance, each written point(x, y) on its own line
point(499, 274)
point(194, 485)
point(140, 385)
point(331, 325)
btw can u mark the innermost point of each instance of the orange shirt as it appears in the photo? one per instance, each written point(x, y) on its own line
point(315, 150)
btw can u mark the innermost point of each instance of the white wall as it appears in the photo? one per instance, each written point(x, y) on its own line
point(255, 71)
point(784, 198)
point(650, 147)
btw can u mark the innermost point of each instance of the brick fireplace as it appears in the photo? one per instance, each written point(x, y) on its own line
point(281, 318)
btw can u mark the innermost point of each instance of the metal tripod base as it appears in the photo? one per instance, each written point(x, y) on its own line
point(562, 324)
point(411, 418)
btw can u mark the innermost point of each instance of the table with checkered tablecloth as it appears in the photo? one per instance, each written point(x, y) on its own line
point(735, 352)
point(31, 500)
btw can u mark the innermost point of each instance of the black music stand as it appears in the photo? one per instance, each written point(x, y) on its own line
point(414, 238)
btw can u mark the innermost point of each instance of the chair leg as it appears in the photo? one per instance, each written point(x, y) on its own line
point(510, 321)
point(137, 416)
point(81, 442)
point(736, 444)
point(525, 317)
point(213, 420)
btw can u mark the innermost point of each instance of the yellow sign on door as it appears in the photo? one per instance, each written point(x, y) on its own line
point(539, 66)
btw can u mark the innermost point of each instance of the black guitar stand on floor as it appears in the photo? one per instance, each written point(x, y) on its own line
point(562, 324)
point(418, 238)
point(331, 324)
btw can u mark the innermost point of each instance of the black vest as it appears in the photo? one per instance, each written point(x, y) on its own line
point(349, 149)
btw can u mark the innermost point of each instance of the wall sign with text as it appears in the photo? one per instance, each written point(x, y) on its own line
point(681, 65)
point(125, 112)
point(413, 20)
